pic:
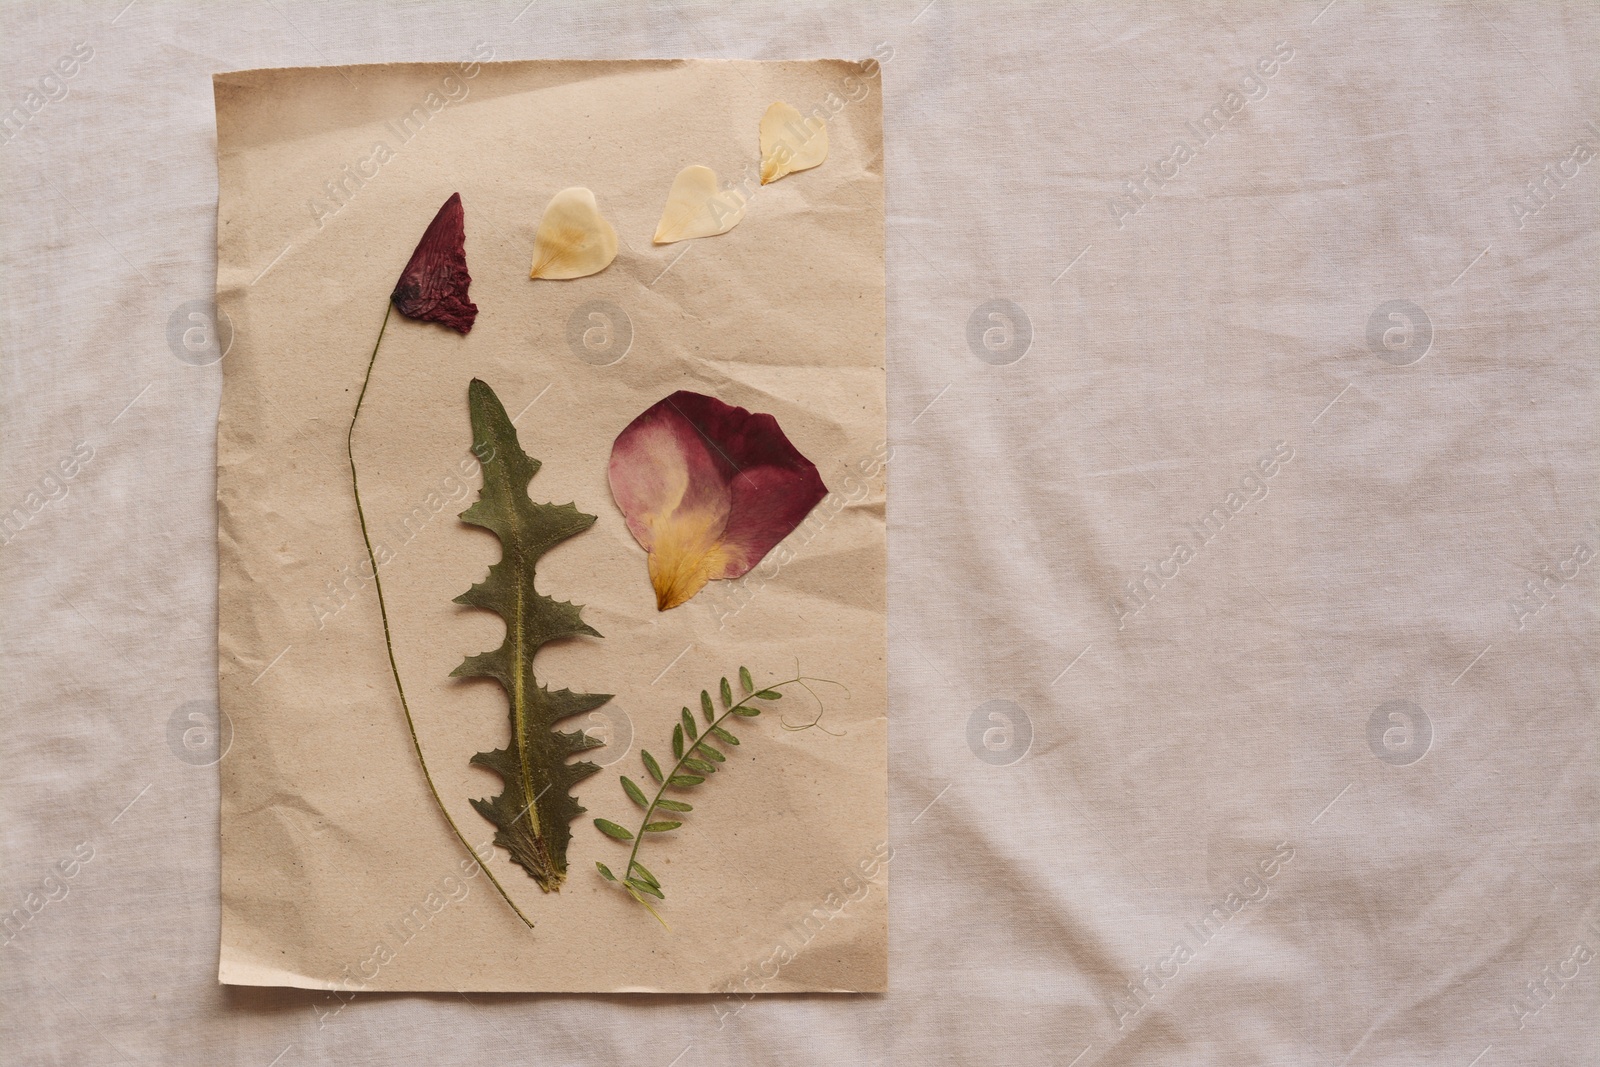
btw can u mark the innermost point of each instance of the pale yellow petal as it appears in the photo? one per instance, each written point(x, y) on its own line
point(573, 241)
point(790, 142)
point(697, 208)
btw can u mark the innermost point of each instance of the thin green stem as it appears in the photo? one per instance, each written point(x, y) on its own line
point(388, 640)
point(689, 746)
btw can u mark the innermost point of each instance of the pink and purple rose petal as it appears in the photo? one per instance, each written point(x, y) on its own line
point(708, 490)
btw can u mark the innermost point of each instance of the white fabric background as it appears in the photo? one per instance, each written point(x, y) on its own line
point(1229, 715)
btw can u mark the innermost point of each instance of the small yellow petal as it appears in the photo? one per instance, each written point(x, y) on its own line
point(790, 142)
point(573, 241)
point(697, 208)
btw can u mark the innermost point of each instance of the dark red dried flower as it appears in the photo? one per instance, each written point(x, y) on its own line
point(433, 287)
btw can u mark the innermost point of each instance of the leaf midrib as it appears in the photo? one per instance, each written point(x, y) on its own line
point(519, 633)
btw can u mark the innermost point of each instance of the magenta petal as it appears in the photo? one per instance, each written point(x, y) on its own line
point(433, 287)
point(708, 490)
point(773, 486)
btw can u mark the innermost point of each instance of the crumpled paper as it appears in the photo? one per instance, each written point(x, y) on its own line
point(339, 872)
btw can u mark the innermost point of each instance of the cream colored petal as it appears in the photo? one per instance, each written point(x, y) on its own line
point(573, 241)
point(697, 208)
point(790, 142)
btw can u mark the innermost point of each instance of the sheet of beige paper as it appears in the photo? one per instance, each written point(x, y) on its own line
point(338, 868)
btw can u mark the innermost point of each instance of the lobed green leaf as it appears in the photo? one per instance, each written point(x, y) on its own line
point(533, 812)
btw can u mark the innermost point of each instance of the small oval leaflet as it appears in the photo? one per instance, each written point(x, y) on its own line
point(645, 887)
point(611, 829)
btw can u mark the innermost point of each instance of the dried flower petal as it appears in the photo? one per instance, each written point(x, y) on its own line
point(790, 142)
point(708, 490)
point(573, 241)
point(697, 208)
point(433, 287)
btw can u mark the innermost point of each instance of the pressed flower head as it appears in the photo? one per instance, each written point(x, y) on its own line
point(433, 287)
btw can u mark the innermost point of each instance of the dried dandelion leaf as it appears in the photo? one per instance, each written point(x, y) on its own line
point(790, 142)
point(573, 240)
point(697, 208)
point(532, 813)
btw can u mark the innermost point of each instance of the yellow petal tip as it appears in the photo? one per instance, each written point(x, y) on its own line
point(685, 557)
point(676, 587)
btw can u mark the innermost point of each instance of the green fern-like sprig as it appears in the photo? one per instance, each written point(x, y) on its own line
point(696, 760)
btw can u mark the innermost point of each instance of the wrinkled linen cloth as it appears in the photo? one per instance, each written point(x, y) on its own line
point(1242, 521)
